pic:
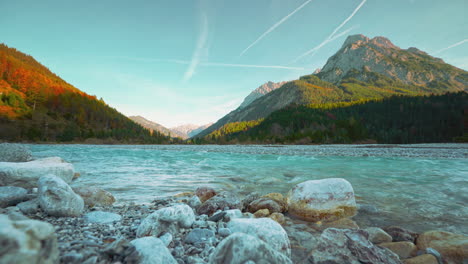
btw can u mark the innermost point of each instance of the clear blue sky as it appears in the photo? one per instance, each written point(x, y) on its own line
point(182, 61)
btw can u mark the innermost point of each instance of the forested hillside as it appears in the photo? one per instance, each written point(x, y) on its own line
point(37, 105)
point(398, 119)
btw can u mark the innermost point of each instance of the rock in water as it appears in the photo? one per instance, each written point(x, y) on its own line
point(404, 249)
point(12, 195)
point(220, 202)
point(452, 247)
point(100, 217)
point(349, 246)
point(400, 234)
point(14, 153)
point(265, 203)
point(322, 200)
point(377, 235)
point(205, 193)
point(240, 248)
point(266, 230)
point(152, 250)
point(57, 198)
point(94, 196)
point(27, 241)
point(26, 174)
point(169, 219)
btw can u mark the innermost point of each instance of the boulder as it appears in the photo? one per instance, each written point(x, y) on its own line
point(29, 207)
point(219, 202)
point(265, 203)
point(168, 219)
point(57, 198)
point(205, 193)
point(400, 234)
point(266, 230)
point(278, 217)
point(404, 249)
point(322, 200)
point(199, 237)
point(14, 153)
point(26, 174)
point(343, 223)
point(452, 247)
point(240, 248)
point(94, 196)
point(12, 195)
point(100, 217)
point(351, 246)
point(152, 250)
point(27, 241)
point(262, 213)
point(422, 259)
point(280, 199)
point(377, 235)
point(232, 214)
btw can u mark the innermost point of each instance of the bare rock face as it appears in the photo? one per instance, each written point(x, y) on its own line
point(27, 241)
point(322, 200)
point(336, 246)
point(94, 196)
point(57, 198)
point(26, 174)
point(260, 91)
point(240, 248)
point(452, 247)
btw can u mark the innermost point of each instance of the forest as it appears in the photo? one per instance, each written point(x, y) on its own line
point(394, 120)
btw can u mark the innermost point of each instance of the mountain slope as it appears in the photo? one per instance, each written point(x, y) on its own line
point(152, 126)
point(260, 91)
point(362, 69)
point(37, 105)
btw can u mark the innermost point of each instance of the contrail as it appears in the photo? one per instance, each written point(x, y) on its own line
point(332, 34)
point(275, 26)
point(251, 66)
point(199, 49)
point(451, 46)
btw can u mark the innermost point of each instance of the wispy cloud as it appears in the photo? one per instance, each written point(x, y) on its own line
point(330, 37)
point(277, 24)
point(200, 49)
point(451, 46)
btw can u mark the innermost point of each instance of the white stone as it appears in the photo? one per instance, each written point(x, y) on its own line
point(266, 230)
point(152, 250)
point(168, 219)
point(26, 174)
point(27, 241)
point(240, 248)
point(327, 199)
point(232, 214)
point(57, 198)
point(12, 195)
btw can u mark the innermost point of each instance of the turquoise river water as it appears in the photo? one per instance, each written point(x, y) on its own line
point(420, 187)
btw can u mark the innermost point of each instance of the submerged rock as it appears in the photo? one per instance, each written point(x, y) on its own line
point(422, 259)
point(265, 203)
point(12, 195)
point(14, 153)
point(152, 250)
point(266, 230)
point(400, 234)
point(26, 174)
point(377, 235)
point(100, 217)
point(94, 196)
point(205, 193)
point(322, 200)
point(57, 198)
point(452, 247)
point(27, 241)
point(220, 202)
point(336, 246)
point(169, 219)
point(404, 249)
point(278, 217)
point(241, 248)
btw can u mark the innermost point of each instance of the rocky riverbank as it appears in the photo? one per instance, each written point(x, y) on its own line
point(44, 219)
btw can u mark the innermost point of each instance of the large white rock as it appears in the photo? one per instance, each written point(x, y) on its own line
point(152, 250)
point(27, 241)
point(26, 174)
point(14, 153)
point(266, 230)
point(327, 199)
point(168, 219)
point(57, 198)
point(240, 248)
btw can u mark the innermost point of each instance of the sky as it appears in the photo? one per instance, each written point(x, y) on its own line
point(193, 61)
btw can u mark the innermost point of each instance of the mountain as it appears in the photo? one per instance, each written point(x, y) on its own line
point(363, 68)
point(37, 105)
point(189, 130)
point(260, 91)
point(152, 126)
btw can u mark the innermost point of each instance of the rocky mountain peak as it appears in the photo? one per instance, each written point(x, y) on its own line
point(261, 91)
point(355, 39)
